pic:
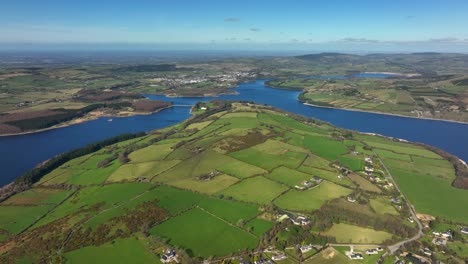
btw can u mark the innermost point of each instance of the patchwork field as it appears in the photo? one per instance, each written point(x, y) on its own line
point(311, 199)
point(218, 187)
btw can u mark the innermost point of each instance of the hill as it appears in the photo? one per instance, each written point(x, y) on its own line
point(233, 180)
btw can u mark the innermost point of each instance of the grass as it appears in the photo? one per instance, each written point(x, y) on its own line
point(345, 233)
point(276, 147)
point(130, 250)
point(256, 190)
point(199, 125)
point(392, 155)
point(312, 199)
point(326, 174)
point(212, 186)
point(288, 176)
point(404, 149)
point(317, 162)
point(197, 165)
point(37, 196)
point(460, 248)
point(145, 169)
point(93, 176)
point(150, 153)
point(269, 161)
point(15, 218)
point(239, 169)
point(259, 226)
point(382, 206)
point(205, 236)
point(419, 182)
point(231, 211)
point(108, 196)
point(325, 147)
point(328, 256)
point(364, 184)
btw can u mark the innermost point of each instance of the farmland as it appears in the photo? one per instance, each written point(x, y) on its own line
point(210, 190)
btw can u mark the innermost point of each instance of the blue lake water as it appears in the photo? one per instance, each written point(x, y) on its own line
point(21, 153)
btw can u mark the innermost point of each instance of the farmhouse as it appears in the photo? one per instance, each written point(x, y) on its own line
point(340, 177)
point(355, 255)
point(372, 251)
point(300, 220)
point(448, 234)
point(351, 199)
point(169, 256)
point(307, 184)
point(395, 200)
point(279, 256)
point(427, 252)
point(368, 160)
point(316, 179)
point(464, 230)
point(305, 248)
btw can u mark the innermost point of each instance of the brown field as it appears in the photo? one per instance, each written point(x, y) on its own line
point(149, 106)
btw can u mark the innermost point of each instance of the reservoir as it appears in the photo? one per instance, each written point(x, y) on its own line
point(23, 152)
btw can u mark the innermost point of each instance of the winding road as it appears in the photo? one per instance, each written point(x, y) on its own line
point(395, 247)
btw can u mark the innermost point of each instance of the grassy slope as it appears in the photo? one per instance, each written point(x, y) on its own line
point(261, 171)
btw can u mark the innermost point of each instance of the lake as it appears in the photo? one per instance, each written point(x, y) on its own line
point(23, 152)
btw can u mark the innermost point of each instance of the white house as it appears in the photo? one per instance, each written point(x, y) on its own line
point(278, 257)
point(305, 248)
point(464, 230)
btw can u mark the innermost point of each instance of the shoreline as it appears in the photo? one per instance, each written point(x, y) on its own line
point(382, 113)
point(81, 120)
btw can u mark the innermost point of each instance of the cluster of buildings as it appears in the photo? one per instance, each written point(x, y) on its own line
point(228, 78)
point(300, 220)
point(169, 256)
point(276, 254)
point(359, 255)
point(374, 251)
point(440, 238)
point(305, 185)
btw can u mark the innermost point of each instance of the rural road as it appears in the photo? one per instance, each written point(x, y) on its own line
point(395, 247)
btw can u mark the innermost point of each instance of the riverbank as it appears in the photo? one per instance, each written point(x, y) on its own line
point(383, 113)
point(88, 117)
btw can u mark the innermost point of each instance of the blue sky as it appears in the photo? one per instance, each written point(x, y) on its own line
point(359, 25)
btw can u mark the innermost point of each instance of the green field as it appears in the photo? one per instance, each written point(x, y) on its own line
point(419, 181)
point(288, 176)
point(206, 235)
point(215, 188)
point(130, 250)
point(345, 233)
point(256, 190)
point(150, 153)
point(145, 169)
point(38, 196)
point(312, 199)
point(14, 219)
point(383, 206)
point(107, 196)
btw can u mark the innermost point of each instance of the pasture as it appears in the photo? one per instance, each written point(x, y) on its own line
point(345, 233)
point(312, 199)
point(256, 190)
point(129, 250)
point(202, 236)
